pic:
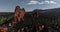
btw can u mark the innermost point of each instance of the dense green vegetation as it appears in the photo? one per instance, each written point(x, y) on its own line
point(3, 19)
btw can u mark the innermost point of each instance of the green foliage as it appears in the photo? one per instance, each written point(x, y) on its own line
point(3, 19)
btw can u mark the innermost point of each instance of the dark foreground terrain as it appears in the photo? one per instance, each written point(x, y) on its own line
point(51, 23)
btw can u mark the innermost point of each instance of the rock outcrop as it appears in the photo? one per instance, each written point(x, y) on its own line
point(19, 14)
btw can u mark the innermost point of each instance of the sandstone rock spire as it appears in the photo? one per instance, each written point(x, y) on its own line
point(19, 14)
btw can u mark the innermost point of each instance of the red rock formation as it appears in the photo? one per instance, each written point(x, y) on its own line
point(16, 12)
point(3, 29)
point(19, 14)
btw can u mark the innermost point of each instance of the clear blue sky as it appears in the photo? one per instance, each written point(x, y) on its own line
point(29, 5)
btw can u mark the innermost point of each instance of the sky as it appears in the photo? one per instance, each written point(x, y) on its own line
point(29, 5)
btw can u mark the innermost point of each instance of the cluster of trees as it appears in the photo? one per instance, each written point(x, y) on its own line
point(3, 19)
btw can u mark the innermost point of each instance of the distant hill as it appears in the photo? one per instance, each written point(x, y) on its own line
point(55, 11)
point(6, 13)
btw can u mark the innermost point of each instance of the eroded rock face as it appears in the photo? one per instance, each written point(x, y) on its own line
point(19, 14)
point(3, 29)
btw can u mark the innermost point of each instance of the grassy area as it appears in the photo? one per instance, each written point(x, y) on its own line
point(3, 19)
